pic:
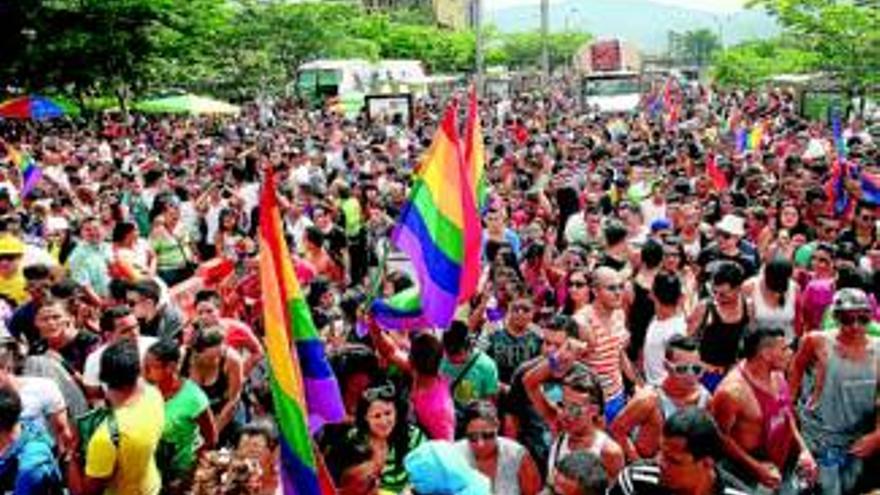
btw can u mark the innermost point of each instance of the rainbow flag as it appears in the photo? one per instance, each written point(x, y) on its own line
point(755, 137)
point(30, 171)
point(439, 228)
point(475, 165)
point(304, 389)
point(474, 150)
point(402, 311)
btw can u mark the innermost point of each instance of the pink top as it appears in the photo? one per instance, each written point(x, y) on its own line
point(817, 296)
point(434, 410)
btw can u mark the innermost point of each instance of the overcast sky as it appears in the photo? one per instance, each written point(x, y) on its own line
point(708, 5)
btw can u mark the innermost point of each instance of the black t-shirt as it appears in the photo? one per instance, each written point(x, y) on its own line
point(75, 352)
point(612, 262)
point(509, 352)
point(335, 243)
point(712, 255)
point(643, 478)
point(534, 433)
point(21, 324)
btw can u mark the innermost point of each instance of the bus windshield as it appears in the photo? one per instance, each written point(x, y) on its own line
point(612, 86)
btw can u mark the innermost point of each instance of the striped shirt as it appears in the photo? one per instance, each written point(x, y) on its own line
point(643, 478)
point(604, 347)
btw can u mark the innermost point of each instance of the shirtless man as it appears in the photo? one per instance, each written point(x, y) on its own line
point(651, 406)
point(755, 415)
point(840, 422)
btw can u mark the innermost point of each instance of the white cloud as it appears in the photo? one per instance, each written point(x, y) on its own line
point(720, 6)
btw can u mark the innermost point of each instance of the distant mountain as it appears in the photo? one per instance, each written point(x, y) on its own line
point(643, 22)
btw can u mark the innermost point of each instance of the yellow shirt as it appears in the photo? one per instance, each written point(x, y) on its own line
point(14, 287)
point(130, 468)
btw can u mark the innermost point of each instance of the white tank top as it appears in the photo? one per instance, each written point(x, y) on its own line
point(776, 316)
point(560, 449)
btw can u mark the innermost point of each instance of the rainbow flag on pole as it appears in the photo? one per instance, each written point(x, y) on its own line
point(475, 150)
point(304, 389)
point(30, 171)
point(439, 228)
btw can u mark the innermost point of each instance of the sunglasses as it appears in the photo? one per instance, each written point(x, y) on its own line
point(476, 436)
point(614, 288)
point(8, 257)
point(692, 369)
point(384, 392)
point(850, 318)
point(577, 284)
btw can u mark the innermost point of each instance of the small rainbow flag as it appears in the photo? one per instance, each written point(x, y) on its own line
point(30, 171)
point(304, 389)
point(439, 228)
point(755, 137)
point(402, 311)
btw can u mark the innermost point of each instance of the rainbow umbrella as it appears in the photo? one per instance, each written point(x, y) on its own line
point(30, 107)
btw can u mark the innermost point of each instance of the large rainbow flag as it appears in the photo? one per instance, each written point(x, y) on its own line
point(439, 228)
point(304, 389)
point(30, 171)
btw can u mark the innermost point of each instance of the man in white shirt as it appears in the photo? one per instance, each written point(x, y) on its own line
point(118, 322)
point(668, 321)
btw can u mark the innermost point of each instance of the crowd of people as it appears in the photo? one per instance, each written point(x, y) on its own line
point(661, 310)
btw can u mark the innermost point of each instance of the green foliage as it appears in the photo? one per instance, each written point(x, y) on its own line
point(844, 35)
point(524, 49)
point(697, 47)
point(751, 63)
point(231, 49)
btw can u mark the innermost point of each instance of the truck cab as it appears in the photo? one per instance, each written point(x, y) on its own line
point(612, 92)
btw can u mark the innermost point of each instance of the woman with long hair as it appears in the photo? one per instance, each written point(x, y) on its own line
point(381, 418)
point(219, 371)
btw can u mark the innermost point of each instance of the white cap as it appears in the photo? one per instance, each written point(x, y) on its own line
point(733, 225)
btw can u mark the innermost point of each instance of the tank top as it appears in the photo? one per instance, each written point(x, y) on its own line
point(668, 407)
point(510, 457)
point(776, 432)
point(560, 449)
point(782, 317)
point(639, 318)
point(720, 341)
point(846, 408)
point(216, 391)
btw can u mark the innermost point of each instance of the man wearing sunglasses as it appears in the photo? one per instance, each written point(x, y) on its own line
point(603, 328)
point(839, 421)
point(755, 415)
point(729, 246)
point(520, 420)
point(577, 418)
point(638, 427)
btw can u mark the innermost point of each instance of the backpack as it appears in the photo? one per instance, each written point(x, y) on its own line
point(88, 423)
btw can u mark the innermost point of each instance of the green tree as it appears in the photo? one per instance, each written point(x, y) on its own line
point(524, 49)
point(697, 47)
point(845, 35)
point(751, 63)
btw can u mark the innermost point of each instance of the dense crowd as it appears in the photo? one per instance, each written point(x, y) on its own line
point(662, 309)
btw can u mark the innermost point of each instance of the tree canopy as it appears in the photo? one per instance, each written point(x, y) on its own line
point(839, 38)
point(229, 48)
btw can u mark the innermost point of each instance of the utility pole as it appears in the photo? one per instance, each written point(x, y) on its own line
point(545, 41)
point(477, 17)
